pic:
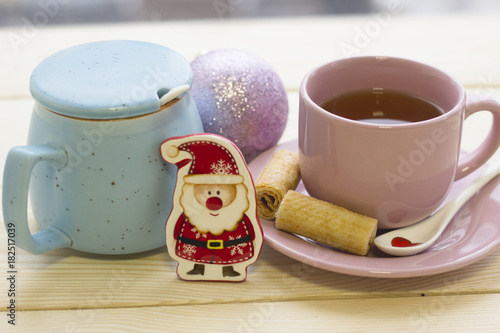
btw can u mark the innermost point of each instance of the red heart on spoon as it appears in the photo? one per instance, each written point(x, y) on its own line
point(402, 242)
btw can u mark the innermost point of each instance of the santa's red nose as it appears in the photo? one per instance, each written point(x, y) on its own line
point(214, 203)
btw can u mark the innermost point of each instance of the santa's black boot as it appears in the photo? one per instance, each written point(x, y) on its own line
point(197, 270)
point(229, 271)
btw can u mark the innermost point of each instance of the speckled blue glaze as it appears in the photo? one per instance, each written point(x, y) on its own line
point(97, 181)
point(108, 79)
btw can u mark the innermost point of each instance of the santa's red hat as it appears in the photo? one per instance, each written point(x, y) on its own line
point(209, 162)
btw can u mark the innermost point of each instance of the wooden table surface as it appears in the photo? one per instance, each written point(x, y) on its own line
point(69, 291)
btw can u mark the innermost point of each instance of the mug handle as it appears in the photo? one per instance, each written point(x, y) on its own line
point(478, 157)
point(16, 178)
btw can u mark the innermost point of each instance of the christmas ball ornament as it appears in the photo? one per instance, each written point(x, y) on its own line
point(240, 96)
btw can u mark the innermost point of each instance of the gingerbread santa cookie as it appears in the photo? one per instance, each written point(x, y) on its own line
point(213, 231)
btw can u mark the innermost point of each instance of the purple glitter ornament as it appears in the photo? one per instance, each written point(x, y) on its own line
point(240, 97)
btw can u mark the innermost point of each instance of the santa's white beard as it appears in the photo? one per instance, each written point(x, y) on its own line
point(227, 217)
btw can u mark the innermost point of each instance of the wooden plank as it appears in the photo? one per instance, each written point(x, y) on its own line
point(448, 313)
point(292, 46)
point(65, 279)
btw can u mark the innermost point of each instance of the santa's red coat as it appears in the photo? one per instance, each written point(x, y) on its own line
point(230, 247)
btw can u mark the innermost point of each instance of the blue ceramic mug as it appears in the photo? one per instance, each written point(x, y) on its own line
point(96, 180)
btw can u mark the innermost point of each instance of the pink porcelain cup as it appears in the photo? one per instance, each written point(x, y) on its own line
point(398, 173)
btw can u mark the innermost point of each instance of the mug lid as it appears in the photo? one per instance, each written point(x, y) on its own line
point(109, 79)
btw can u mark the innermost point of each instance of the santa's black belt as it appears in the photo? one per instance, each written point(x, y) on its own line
point(215, 244)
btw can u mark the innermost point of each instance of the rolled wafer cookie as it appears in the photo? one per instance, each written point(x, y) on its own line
point(279, 175)
point(326, 223)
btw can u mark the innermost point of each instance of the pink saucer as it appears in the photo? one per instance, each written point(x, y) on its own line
point(473, 234)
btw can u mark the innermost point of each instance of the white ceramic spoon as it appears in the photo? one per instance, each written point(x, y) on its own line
point(173, 94)
point(416, 238)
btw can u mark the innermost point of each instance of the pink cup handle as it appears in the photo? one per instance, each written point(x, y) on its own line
point(478, 157)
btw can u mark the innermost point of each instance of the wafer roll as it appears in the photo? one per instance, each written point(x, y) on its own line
point(326, 223)
point(280, 175)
